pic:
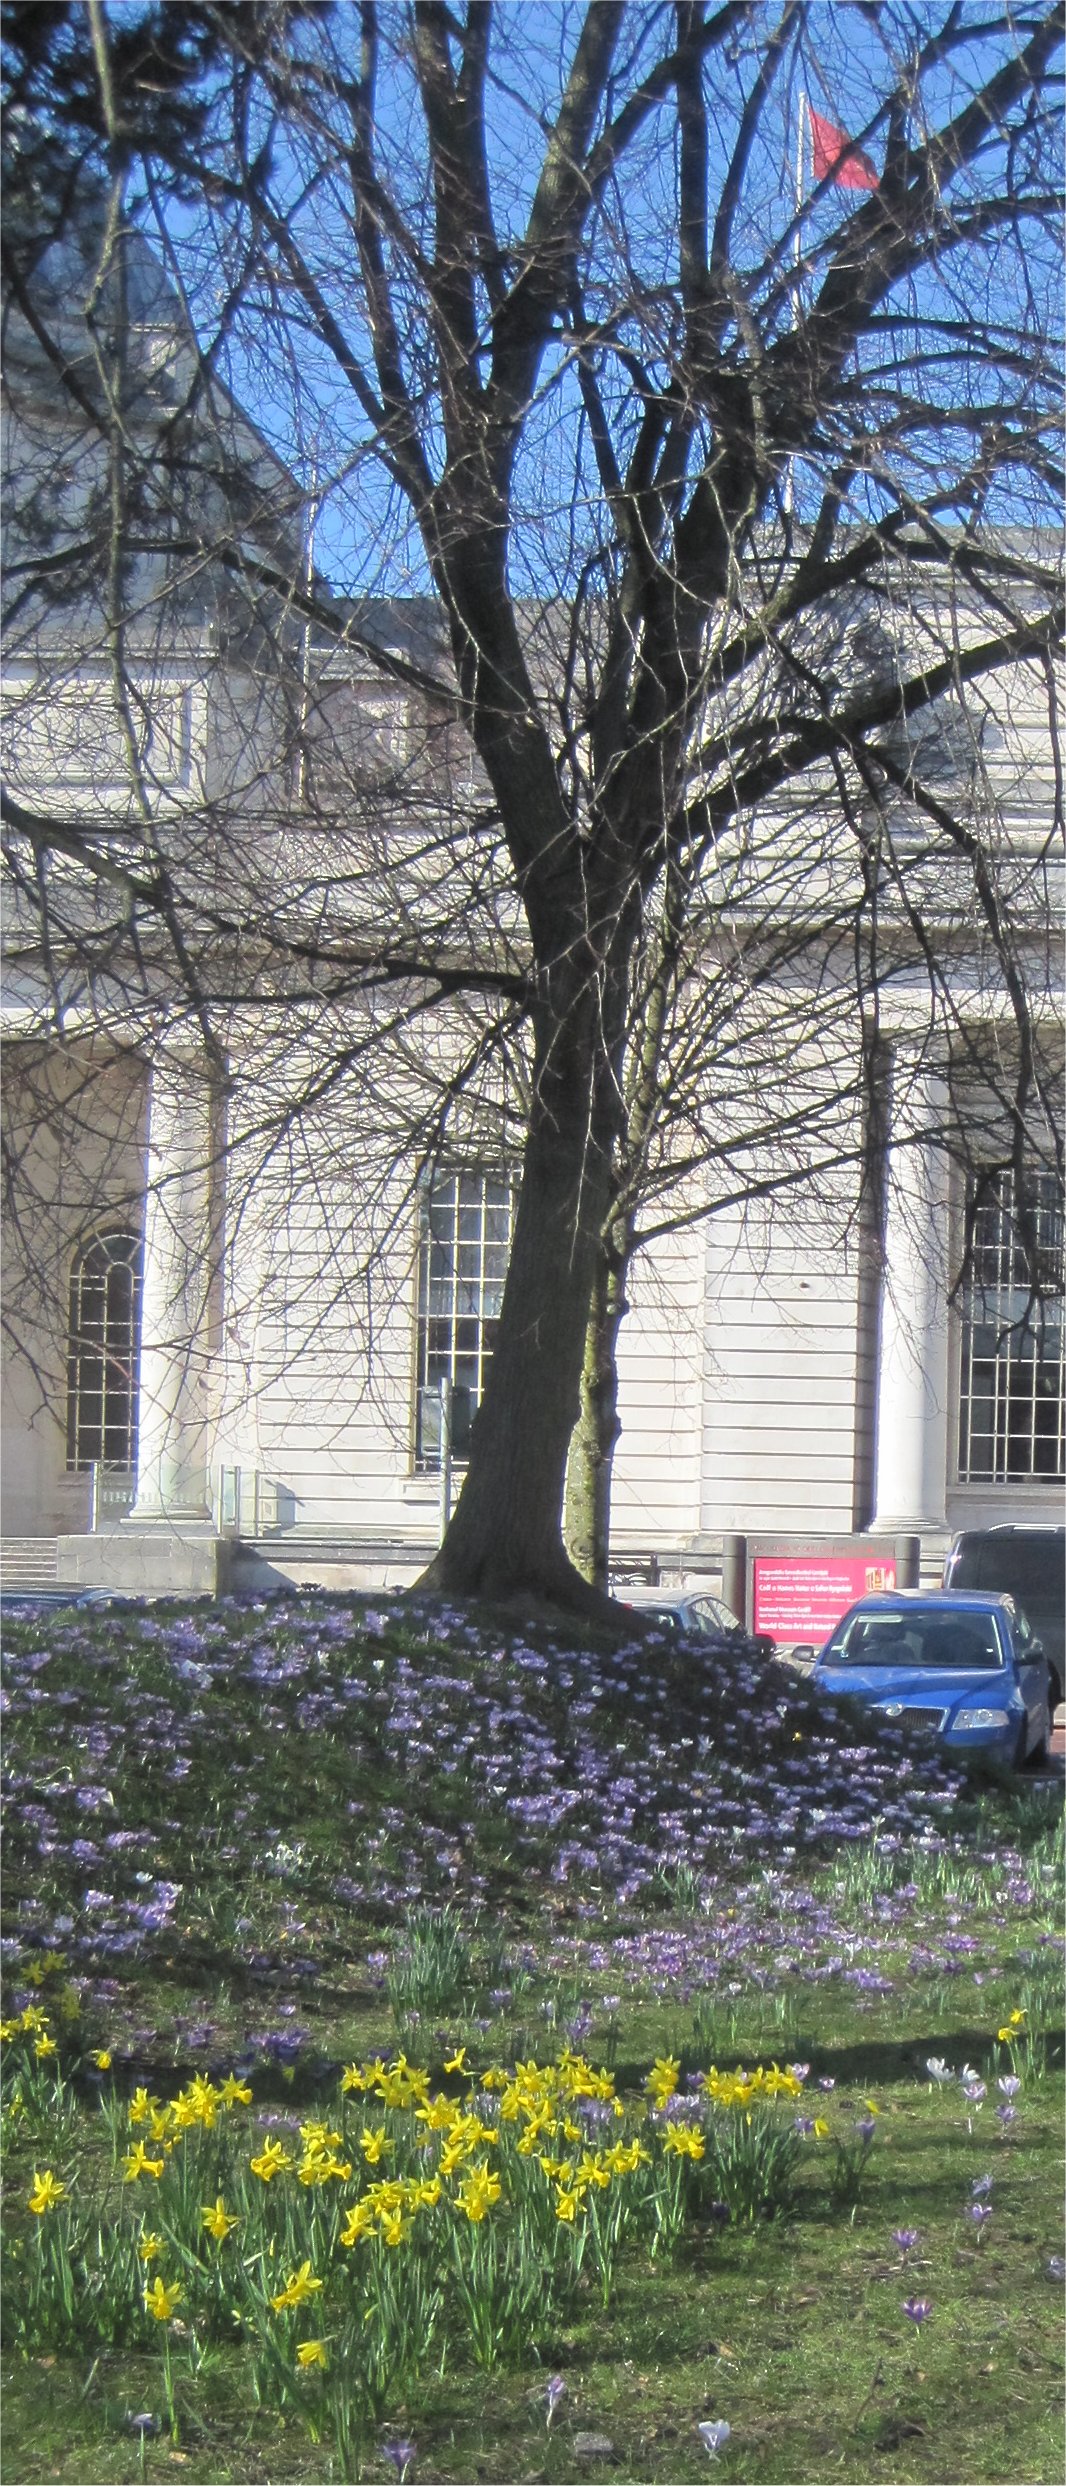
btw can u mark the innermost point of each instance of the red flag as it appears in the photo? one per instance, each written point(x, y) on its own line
point(837, 158)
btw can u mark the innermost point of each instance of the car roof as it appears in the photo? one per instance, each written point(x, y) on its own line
point(1015, 1527)
point(638, 1593)
point(940, 1600)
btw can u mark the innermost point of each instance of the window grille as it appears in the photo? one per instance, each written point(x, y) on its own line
point(1011, 1398)
point(464, 1241)
point(105, 1287)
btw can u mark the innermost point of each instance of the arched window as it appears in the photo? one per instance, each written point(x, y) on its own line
point(105, 1288)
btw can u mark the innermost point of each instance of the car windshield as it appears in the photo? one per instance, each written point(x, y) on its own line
point(921, 1639)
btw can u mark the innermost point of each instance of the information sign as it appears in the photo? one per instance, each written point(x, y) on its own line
point(799, 1597)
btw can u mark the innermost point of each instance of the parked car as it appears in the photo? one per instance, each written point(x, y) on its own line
point(1028, 1564)
point(41, 1600)
point(698, 1612)
point(967, 1667)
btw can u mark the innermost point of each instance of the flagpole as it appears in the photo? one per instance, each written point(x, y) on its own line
point(797, 260)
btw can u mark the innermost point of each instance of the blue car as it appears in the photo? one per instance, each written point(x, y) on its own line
point(966, 1667)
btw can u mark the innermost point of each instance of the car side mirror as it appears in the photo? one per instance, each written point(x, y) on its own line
point(804, 1656)
point(1035, 1649)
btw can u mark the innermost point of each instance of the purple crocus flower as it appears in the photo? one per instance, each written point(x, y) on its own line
point(400, 2456)
point(917, 2309)
point(1009, 2085)
point(906, 2238)
point(979, 2212)
point(556, 2388)
point(714, 2435)
point(981, 2185)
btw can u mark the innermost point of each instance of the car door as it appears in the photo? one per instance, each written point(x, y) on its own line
point(1030, 1666)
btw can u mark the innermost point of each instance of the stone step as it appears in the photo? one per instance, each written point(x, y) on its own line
point(29, 1562)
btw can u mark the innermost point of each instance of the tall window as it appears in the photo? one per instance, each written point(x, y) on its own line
point(462, 1262)
point(105, 1286)
point(1011, 1404)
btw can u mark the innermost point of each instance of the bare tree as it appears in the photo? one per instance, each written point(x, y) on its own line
point(658, 437)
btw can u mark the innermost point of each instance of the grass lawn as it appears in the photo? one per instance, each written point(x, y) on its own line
point(566, 2048)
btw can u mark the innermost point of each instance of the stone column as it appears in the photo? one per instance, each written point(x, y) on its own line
point(173, 1433)
point(912, 1378)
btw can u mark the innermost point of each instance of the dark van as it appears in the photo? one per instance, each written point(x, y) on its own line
point(1028, 1564)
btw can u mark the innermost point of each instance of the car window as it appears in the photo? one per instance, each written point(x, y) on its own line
point(709, 1611)
point(931, 1639)
point(1027, 1567)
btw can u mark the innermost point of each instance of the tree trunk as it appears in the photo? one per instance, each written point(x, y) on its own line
point(590, 1471)
point(505, 1536)
point(591, 1461)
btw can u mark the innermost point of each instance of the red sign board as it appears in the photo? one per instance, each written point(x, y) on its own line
point(799, 1597)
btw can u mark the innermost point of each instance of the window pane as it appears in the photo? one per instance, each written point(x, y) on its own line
point(466, 1227)
point(102, 1352)
point(1011, 1397)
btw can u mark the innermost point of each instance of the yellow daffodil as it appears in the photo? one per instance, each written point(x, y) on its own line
point(101, 2057)
point(234, 2092)
point(298, 2288)
point(8, 2030)
point(161, 2299)
point(272, 2159)
point(477, 2193)
point(820, 2127)
point(196, 2104)
point(33, 2017)
point(319, 2136)
point(138, 2163)
point(375, 2144)
point(363, 2075)
point(457, 2061)
point(663, 2078)
point(47, 2190)
point(44, 2046)
point(437, 2114)
point(218, 2220)
point(684, 2141)
point(141, 2106)
point(626, 2156)
point(150, 2248)
point(312, 2352)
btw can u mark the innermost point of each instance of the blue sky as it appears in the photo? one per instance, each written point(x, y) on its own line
point(281, 371)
